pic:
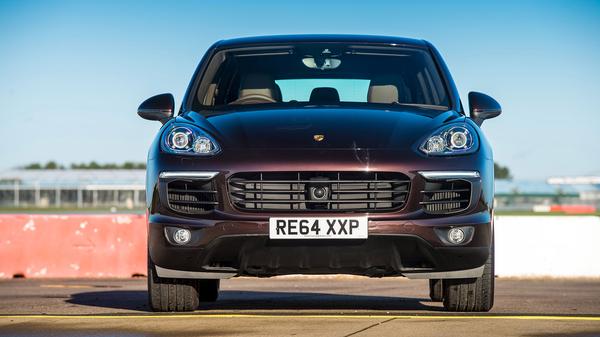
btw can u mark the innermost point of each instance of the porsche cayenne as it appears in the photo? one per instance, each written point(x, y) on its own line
point(320, 154)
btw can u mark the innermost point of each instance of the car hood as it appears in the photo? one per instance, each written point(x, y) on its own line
point(340, 128)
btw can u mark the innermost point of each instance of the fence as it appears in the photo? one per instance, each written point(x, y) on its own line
point(72, 188)
point(91, 196)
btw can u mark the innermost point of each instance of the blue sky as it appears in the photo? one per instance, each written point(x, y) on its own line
point(72, 73)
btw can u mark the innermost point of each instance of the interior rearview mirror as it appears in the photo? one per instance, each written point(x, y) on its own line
point(321, 63)
point(483, 107)
point(157, 108)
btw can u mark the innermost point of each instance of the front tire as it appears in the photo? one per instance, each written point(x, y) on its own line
point(472, 294)
point(171, 294)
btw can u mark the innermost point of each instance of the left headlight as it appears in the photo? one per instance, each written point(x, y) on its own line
point(190, 140)
point(454, 139)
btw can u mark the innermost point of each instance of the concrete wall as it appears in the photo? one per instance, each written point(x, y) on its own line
point(548, 246)
point(114, 245)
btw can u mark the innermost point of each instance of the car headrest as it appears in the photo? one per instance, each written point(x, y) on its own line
point(259, 84)
point(382, 90)
point(277, 93)
point(324, 95)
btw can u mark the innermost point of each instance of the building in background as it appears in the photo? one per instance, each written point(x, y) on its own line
point(23, 189)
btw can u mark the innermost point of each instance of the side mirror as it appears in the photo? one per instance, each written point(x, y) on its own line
point(483, 107)
point(157, 108)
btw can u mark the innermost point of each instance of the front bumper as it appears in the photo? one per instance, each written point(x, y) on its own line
point(229, 242)
point(221, 249)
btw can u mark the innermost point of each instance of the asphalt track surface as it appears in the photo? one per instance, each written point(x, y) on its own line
point(298, 306)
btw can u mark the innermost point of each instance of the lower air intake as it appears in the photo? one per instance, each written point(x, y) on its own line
point(192, 196)
point(445, 197)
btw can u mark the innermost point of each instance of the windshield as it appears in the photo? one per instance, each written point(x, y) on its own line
point(321, 74)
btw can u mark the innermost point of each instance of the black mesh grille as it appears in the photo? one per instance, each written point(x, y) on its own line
point(192, 196)
point(444, 197)
point(319, 191)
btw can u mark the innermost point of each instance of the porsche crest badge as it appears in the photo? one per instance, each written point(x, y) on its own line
point(319, 138)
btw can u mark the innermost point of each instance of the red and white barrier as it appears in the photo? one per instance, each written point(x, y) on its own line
point(114, 245)
point(72, 245)
point(567, 209)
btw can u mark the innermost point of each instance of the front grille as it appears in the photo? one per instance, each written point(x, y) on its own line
point(319, 191)
point(444, 197)
point(192, 196)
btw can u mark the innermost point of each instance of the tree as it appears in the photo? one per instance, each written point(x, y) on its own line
point(501, 172)
point(109, 166)
point(51, 165)
point(33, 166)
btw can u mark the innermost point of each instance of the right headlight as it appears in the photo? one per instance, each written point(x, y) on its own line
point(190, 140)
point(453, 139)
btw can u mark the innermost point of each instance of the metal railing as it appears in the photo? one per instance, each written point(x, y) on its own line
point(83, 196)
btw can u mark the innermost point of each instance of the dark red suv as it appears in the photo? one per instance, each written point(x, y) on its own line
point(320, 154)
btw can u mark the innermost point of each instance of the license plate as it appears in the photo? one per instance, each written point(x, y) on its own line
point(319, 228)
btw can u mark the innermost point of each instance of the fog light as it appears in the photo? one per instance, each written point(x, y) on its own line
point(182, 236)
point(456, 235)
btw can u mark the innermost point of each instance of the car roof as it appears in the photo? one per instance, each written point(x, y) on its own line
point(279, 39)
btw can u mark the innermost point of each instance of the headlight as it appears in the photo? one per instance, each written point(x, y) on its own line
point(451, 140)
point(188, 139)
